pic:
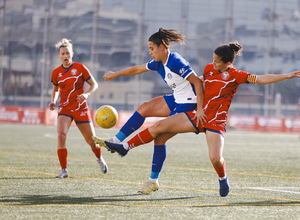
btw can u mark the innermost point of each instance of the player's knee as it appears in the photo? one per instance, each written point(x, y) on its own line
point(144, 109)
point(159, 127)
point(62, 137)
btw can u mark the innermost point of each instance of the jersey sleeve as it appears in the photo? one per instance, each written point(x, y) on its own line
point(152, 65)
point(241, 77)
point(207, 69)
point(54, 78)
point(181, 67)
point(86, 73)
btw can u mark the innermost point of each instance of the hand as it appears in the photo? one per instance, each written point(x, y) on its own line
point(200, 116)
point(81, 98)
point(109, 76)
point(294, 74)
point(52, 106)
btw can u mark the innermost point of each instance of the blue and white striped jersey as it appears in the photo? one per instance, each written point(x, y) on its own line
point(175, 73)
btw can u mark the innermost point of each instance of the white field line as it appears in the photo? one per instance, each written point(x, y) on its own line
point(276, 189)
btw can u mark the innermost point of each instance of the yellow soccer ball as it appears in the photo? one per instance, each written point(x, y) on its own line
point(106, 116)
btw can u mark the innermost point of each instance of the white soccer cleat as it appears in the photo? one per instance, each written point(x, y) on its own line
point(148, 187)
point(103, 165)
point(63, 174)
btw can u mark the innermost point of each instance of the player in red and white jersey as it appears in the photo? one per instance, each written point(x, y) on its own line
point(69, 80)
point(221, 83)
point(220, 87)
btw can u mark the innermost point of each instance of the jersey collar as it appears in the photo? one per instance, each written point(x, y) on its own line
point(225, 70)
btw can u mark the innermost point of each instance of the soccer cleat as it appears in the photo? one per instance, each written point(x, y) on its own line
point(224, 187)
point(103, 165)
point(101, 142)
point(63, 174)
point(148, 187)
point(116, 147)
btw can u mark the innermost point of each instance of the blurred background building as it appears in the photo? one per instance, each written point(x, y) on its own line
point(113, 34)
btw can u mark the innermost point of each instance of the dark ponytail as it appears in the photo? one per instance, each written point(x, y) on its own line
point(228, 52)
point(166, 37)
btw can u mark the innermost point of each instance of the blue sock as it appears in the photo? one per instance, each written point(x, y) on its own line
point(133, 123)
point(159, 156)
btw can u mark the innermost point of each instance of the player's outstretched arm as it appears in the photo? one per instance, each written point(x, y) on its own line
point(272, 78)
point(130, 71)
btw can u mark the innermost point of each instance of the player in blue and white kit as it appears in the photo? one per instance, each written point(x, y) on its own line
point(180, 77)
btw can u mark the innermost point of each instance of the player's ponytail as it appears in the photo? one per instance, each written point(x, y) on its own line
point(166, 37)
point(228, 52)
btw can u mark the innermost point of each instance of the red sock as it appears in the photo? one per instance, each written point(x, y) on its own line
point(221, 170)
point(143, 137)
point(62, 157)
point(97, 152)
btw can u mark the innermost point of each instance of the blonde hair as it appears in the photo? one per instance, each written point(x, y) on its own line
point(64, 43)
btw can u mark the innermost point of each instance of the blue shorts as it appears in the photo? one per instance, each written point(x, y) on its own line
point(176, 108)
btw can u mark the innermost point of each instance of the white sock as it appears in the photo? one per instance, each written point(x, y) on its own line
point(154, 180)
point(126, 146)
point(116, 140)
point(223, 178)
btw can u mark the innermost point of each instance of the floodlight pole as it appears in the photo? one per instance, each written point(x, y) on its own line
point(2, 50)
point(45, 59)
point(269, 69)
point(94, 49)
point(138, 51)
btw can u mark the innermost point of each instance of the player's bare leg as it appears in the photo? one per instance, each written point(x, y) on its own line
point(88, 131)
point(63, 125)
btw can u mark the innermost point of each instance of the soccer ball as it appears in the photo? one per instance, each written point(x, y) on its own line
point(106, 116)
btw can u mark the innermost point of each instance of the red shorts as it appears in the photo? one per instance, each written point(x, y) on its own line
point(218, 128)
point(79, 116)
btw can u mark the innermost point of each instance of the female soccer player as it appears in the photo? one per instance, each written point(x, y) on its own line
point(175, 71)
point(69, 80)
point(221, 83)
point(180, 77)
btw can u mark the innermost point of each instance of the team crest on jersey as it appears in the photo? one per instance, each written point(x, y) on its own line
point(73, 71)
point(169, 75)
point(225, 75)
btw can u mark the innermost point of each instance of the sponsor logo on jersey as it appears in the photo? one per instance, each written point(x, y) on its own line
point(169, 75)
point(182, 71)
point(73, 71)
point(83, 113)
point(225, 75)
point(60, 74)
point(173, 85)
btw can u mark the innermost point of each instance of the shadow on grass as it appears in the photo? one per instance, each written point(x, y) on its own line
point(68, 200)
point(258, 203)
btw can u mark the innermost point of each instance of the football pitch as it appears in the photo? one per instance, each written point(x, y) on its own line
point(263, 171)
